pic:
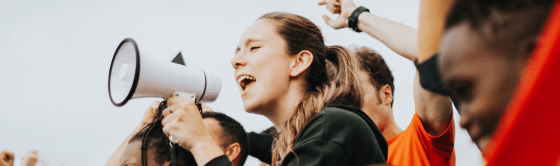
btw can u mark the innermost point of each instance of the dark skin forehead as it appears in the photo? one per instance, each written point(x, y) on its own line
point(457, 51)
point(481, 45)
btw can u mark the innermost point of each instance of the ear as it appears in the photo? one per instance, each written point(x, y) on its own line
point(232, 151)
point(386, 95)
point(302, 62)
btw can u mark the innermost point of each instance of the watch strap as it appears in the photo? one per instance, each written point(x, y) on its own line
point(353, 18)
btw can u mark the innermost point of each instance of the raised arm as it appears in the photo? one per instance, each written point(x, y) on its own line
point(431, 26)
point(398, 37)
point(434, 110)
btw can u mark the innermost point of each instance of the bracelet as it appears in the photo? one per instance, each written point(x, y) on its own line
point(353, 18)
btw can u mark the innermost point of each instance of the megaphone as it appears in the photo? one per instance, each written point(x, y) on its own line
point(134, 74)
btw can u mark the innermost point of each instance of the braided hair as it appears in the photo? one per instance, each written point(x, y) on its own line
point(154, 139)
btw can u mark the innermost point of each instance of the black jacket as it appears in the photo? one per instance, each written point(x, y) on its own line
point(338, 135)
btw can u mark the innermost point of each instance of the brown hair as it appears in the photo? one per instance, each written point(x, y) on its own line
point(332, 77)
point(376, 68)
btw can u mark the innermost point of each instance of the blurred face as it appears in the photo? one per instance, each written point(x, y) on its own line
point(372, 103)
point(482, 75)
point(261, 65)
point(132, 155)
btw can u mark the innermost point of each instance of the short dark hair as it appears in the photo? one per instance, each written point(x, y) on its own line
point(478, 12)
point(232, 132)
point(376, 68)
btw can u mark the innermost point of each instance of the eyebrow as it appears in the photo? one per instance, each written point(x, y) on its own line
point(247, 43)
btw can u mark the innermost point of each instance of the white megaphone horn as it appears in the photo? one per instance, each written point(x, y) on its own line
point(134, 75)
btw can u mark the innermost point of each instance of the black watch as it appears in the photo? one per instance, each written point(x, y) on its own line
point(353, 19)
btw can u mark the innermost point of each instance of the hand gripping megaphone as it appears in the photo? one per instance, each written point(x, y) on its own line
point(134, 74)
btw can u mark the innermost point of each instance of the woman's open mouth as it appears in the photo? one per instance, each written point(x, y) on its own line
point(244, 81)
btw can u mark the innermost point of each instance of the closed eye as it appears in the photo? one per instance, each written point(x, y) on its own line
point(254, 48)
point(462, 89)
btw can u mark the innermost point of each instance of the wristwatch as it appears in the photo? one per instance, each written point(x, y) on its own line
point(353, 18)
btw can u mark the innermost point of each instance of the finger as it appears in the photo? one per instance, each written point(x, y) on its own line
point(336, 4)
point(331, 9)
point(166, 130)
point(170, 117)
point(323, 2)
point(337, 11)
point(178, 99)
point(167, 111)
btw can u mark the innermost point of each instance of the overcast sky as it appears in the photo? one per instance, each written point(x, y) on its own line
point(55, 57)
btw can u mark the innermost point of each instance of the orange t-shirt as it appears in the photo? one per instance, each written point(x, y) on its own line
point(414, 146)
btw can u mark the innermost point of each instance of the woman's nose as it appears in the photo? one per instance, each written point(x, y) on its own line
point(238, 61)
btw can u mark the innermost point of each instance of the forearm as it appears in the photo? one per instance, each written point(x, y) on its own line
point(431, 26)
point(398, 37)
point(116, 157)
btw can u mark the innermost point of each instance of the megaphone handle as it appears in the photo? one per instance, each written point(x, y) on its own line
point(173, 141)
point(192, 96)
point(173, 154)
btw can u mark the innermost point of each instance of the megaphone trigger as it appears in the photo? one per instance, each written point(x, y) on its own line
point(188, 95)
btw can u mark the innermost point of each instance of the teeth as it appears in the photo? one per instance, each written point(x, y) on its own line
point(244, 77)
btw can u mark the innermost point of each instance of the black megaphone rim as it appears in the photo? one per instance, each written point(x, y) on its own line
point(136, 73)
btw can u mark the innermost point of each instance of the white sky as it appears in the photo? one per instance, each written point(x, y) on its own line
point(55, 57)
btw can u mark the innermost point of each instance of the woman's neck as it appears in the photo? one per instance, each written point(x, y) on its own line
point(286, 104)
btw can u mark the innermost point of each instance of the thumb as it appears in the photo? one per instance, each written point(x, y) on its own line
point(322, 2)
point(329, 21)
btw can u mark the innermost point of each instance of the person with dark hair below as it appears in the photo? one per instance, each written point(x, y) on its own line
point(150, 146)
point(485, 49)
point(281, 65)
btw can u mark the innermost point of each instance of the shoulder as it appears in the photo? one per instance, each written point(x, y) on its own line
point(338, 125)
point(344, 117)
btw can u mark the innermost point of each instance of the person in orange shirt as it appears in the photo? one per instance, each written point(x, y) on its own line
point(429, 139)
point(423, 142)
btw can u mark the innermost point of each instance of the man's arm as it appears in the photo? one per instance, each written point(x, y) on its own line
point(434, 110)
point(398, 37)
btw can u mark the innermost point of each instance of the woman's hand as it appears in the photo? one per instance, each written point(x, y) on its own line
point(183, 121)
point(29, 158)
